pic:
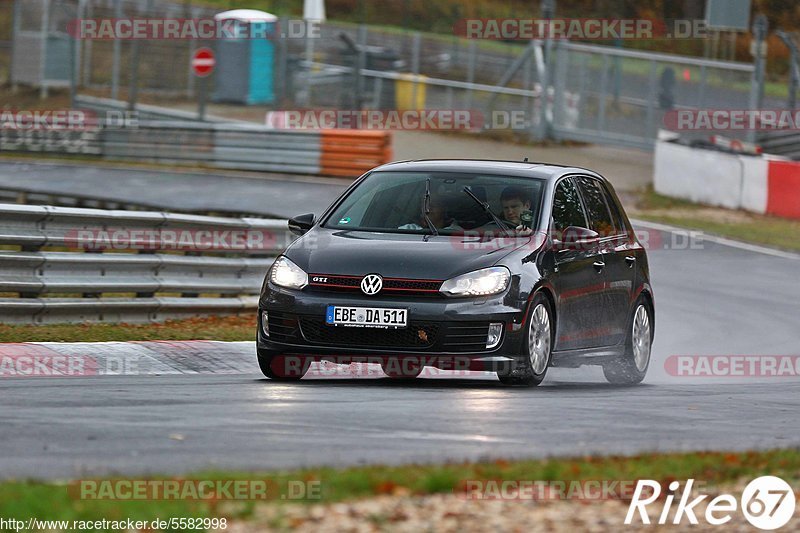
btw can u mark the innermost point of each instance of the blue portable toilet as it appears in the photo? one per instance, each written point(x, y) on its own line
point(245, 57)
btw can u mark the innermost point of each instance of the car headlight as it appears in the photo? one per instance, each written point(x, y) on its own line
point(286, 274)
point(478, 283)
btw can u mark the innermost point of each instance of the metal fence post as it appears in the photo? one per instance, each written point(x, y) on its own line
point(43, 67)
point(416, 45)
point(87, 51)
point(78, 50)
point(760, 28)
point(601, 106)
point(471, 70)
point(794, 68)
point(283, 70)
point(117, 53)
point(133, 91)
point(559, 86)
point(190, 80)
point(360, 64)
point(652, 96)
point(703, 81)
point(14, 41)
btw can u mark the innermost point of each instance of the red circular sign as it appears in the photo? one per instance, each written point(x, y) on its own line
point(203, 62)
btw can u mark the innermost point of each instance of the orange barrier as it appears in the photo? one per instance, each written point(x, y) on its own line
point(350, 153)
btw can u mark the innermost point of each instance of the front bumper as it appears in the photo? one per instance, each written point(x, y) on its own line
point(442, 332)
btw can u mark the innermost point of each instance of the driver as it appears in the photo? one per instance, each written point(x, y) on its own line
point(514, 202)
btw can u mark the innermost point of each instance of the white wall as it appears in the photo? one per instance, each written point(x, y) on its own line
point(711, 177)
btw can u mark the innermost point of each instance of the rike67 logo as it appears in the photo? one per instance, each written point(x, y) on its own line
point(767, 502)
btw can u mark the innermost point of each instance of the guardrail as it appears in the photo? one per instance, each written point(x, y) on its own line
point(781, 142)
point(75, 265)
point(231, 145)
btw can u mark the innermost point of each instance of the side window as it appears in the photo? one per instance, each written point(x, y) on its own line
point(616, 211)
point(596, 207)
point(567, 210)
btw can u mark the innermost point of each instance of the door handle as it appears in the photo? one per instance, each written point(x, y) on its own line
point(630, 260)
point(599, 265)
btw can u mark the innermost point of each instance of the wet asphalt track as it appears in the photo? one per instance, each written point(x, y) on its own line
point(711, 299)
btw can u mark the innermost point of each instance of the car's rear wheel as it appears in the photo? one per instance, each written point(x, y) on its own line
point(280, 367)
point(631, 367)
point(537, 348)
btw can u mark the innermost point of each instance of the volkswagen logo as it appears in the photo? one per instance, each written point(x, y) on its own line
point(371, 284)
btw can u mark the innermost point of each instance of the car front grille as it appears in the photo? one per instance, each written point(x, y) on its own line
point(398, 286)
point(417, 335)
point(458, 337)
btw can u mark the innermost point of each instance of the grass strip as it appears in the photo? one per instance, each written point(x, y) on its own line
point(54, 501)
point(218, 328)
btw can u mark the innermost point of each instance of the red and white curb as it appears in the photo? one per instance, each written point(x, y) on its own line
point(154, 358)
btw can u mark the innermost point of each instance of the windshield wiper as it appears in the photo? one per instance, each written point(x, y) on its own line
point(426, 207)
point(485, 206)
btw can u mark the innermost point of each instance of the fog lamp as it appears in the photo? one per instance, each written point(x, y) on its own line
point(495, 334)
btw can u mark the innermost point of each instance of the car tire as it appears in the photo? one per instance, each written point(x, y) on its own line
point(537, 346)
point(631, 367)
point(266, 364)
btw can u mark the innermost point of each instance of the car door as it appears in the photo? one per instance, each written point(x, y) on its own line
point(617, 273)
point(575, 279)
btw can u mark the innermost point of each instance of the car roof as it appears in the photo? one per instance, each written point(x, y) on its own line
point(547, 171)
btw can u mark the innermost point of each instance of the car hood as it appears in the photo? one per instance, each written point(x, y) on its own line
point(357, 253)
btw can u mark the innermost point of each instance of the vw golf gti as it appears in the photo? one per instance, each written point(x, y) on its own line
point(511, 267)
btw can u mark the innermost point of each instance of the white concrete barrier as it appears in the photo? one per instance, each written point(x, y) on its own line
point(766, 184)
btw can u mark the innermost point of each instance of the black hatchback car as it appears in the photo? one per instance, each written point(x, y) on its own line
point(510, 267)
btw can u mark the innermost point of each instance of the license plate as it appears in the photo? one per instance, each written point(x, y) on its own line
point(366, 317)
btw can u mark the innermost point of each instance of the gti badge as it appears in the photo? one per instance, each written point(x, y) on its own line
point(371, 284)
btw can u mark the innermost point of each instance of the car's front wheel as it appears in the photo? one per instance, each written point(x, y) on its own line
point(282, 367)
point(537, 347)
point(631, 367)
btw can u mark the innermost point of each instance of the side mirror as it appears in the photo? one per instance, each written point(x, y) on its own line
point(300, 224)
point(576, 237)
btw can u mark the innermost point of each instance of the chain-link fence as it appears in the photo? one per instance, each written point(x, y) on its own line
point(565, 90)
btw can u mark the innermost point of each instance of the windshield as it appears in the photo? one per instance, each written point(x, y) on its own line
point(394, 202)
